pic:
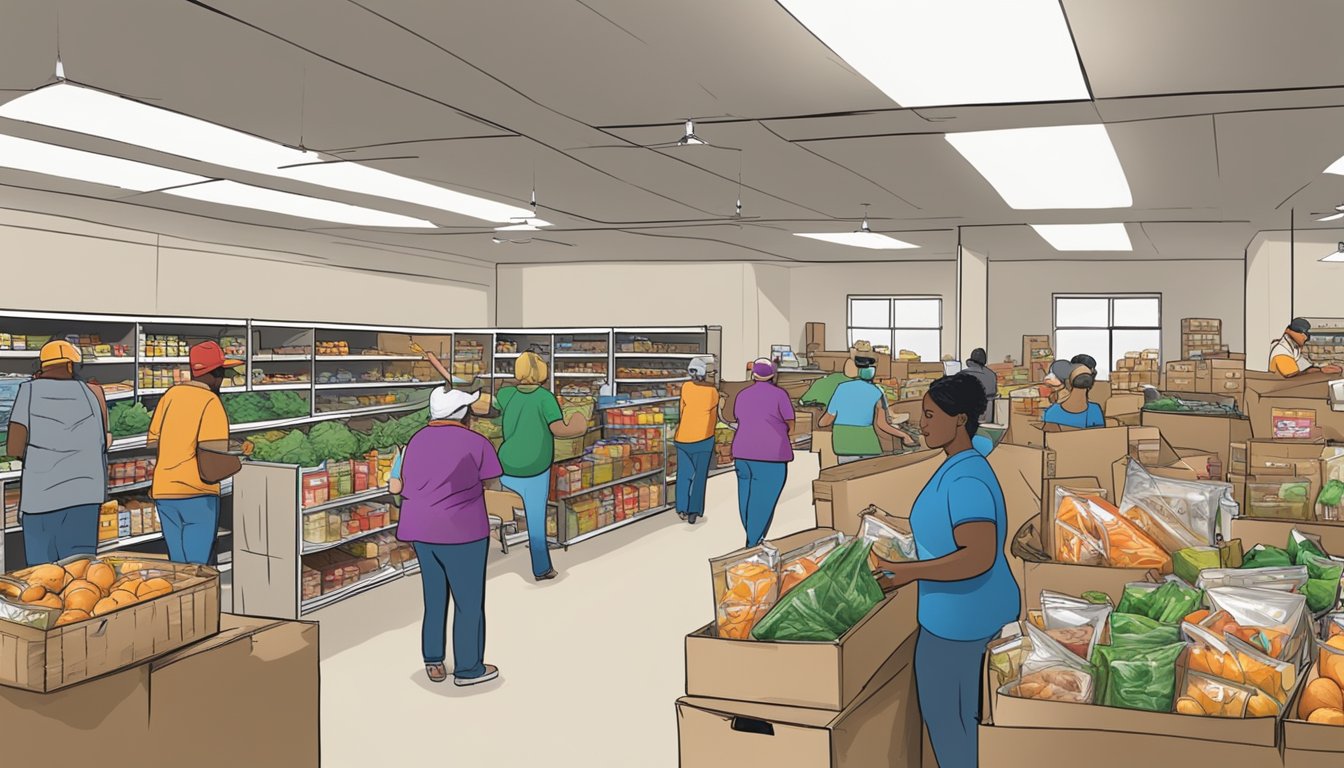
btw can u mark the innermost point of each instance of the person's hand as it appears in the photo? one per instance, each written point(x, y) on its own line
point(890, 581)
point(908, 439)
point(1335, 369)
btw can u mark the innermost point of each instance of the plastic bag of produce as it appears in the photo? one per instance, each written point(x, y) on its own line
point(1073, 622)
point(1209, 696)
point(1211, 654)
point(1175, 513)
point(828, 602)
point(1124, 544)
point(888, 543)
point(1188, 563)
point(746, 586)
point(1139, 676)
point(1288, 579)
point(1274, 677)
point(804, 561)
point(1128, 629)
point(1051, 672)
point(1273, 621)
point(1334, 625)
point(1167, 603)
point(1006, 657)
point(1265, 556)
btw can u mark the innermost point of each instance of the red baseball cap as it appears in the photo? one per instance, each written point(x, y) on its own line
point(207, 357)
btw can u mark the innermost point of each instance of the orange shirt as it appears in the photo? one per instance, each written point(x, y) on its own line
point(699, 412)
point(188, 416)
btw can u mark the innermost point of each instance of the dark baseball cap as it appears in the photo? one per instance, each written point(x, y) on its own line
point(1300, 325)
point(865, 362)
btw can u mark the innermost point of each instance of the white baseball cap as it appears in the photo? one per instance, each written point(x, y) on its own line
point(701, 366)
point(447, 403)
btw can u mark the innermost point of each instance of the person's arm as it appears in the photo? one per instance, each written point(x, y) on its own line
point(16, 442)
point(212, 438)
point(1285, 366)
point(394, 483)
point(102, 404)
point(827, 419)
point(433, 360)
point(156, 420)
point(976, 549)
point(884, 425)
point(576, 426)
point(786, 410)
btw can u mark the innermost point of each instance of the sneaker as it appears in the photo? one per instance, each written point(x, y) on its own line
point(547, 576)
point(682, 515)
point(437, 672)
point(692, 519)
point(491, 672)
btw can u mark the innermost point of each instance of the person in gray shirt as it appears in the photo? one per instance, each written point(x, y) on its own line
point(59, 429)
point(989, 380)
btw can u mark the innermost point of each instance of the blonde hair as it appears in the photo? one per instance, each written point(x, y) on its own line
point(530, 369)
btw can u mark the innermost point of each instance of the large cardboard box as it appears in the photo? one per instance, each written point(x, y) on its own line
point(816, 675)
point(51, 659)
point(1213, 434)
point(247, 696)
point(821, 445)
point(1020, 471)
point(1270, 460)
point(881, 728)
point(1124, 408)
point(842, 493)
point(814, 334)
point(1309, 391)
point(1310, 745)
point(1089, 453)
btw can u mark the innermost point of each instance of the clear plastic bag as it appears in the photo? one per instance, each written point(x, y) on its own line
point(746, 587)
point(1279, 579)
point(1213, 697)
point(1333, 624)
point(1175, 513)
point(1167, 603)
point(1006, 656)
point(1086, 525)
point(1273, 621)
point(1211, 654)
point(806, 560)
point(888, 543)
point(1273, 677)
point(1052, 672)
point(1073, 622)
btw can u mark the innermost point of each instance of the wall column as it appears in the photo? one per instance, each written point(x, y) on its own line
point(973, 304)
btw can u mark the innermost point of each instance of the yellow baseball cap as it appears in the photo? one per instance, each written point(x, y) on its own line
point(58, 352)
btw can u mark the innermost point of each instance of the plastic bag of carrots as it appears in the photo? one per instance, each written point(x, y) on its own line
point(806, 560)
point(1088, 529)
point(746, 586)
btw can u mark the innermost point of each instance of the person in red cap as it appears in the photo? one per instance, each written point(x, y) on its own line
point(191, 432)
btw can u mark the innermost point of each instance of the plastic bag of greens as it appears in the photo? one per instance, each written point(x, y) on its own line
point(1139, 676)
point(1175, 513)
point(746, 586)
point(1274, 621)
point(827, 603)
point(1332, 495)
point(1052, 672)
point(1264, 556)
point(1129, 629)
point(887, 540)
point(1074, 623)
point(1167, 603)
point(1299, 543)
point(1288, 579)
point(798, 564)
point(1324, 572)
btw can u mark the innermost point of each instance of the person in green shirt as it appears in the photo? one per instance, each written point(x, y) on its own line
point(532, 420)
point(856, 413)
point(819, 393)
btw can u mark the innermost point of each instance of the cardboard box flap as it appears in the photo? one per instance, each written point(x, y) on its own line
point(232, 627)
point(801, 717)
point(1312, 386)
point(875, 466)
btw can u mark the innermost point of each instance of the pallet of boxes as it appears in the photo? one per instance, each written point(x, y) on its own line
point(806, 662)
point(104, 658)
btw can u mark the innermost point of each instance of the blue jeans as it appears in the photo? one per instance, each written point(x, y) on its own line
point(52, 536)
point(693, 461)
point(947, 677)
point(457, 570)
point(534, 490)
point(189, 527)
point(759, 484)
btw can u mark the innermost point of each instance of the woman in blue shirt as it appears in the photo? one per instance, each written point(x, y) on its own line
point(966, 591)
point(857, 412)
point(1074, 409)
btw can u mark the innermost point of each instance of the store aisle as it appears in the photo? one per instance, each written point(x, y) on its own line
point(590, 664)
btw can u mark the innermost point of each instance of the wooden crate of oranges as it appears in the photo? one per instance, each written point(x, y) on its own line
point(64, 623)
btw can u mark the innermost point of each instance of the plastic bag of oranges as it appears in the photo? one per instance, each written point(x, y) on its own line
point(1210, 696)
point(746, 586)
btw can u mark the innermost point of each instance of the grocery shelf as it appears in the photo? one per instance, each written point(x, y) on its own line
point(296, 386)
point(281, 358)
point(161, 390)
point(637, 403)
point(133, 443)
point(129, 541)
point(619, 524)
point(382, 576)
point(91, 360)
point(165, 360)
point(376, 384)
point(585, 491)
point(575, 375)
point(654, 381)
point(346, 501)
point(309, 548)
point(12, 474)
point(659, 355)
point(119, 395)
point(372, 358)
point(584, 355)
point(18, 354)
point(298, 421)
point(131, 487)
point(509, 355)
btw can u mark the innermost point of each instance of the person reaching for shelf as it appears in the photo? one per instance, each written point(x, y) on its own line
point(441, 476)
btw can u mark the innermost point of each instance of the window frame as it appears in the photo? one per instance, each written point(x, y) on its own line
point(1110, 327)
point(892, 329)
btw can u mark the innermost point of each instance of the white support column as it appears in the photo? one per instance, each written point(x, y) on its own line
point(972, 303)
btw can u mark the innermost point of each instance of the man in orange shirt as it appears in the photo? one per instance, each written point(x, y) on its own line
point(1287, 357)
point(191, 431)
point(695, 438)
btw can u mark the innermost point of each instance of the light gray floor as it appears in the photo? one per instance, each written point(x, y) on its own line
point(590, 663)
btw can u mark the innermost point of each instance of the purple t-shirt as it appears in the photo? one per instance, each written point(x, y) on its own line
point(443, 491)
point(762, 411)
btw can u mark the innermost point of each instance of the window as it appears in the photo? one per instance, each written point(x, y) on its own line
point(894, 323)
point(1106, 327)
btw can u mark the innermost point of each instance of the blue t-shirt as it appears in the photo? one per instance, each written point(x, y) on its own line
point(1092, 417)
point(854, 403)
point(396, 464)
point(963, 490)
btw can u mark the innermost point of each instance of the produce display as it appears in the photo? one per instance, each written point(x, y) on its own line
point(631, 391)
point(344, 376)
point(645, 346)
point(334, 569)
point(651, 371)
point(569, 345)
point(1172, 404)
point(127, 419)
point(826, 604)
point(252, 407)
point(349, 401)
point(332, 441)
point(261, 376)
point(588, 512)
point(53, 595)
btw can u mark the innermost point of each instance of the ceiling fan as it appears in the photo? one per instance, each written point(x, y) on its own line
point(1334, 215)
point(688, 139)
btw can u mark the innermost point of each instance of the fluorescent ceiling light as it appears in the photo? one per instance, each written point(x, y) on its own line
point(1336, 167)
point(530, 225)
point(84, 110)
point(860, 239)
point(1085, 237)
point(1067, 166)
point(1338, 255)
point(51, 160)
point(925, 53)
point(261, 199)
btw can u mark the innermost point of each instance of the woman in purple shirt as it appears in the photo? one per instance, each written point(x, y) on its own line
point(761, 449)
point(442, 479)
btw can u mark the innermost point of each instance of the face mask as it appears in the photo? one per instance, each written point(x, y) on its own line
point(867, 374)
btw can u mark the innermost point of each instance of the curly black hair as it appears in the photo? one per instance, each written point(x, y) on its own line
point(961, 395)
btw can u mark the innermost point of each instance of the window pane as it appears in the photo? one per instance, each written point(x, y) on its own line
point(1082, 313)
point(1138, 313)
point(870, 313)
point(1137, 341)
point(876, 337)
point(928, 344)
point(1095, 343)
point(918, 313)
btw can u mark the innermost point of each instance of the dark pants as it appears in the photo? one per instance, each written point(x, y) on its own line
point(947, 675)
point(52, 536)
point(189, 527)
point(693, 460)
point(457, 570)
point(759, 484)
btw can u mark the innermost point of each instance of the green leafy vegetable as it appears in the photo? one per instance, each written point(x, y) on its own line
point(289, 405)
point(247, 407)
point(126, 419)
point(332, 441)
point(1332, 495)
point(1263, 556)
point(826, 604)
point(1166, 604)
point(1097, 598)
point(1138, 676)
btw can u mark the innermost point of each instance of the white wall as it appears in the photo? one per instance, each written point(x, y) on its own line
point(819, 293)
point(1020, 296)
point(47, 263)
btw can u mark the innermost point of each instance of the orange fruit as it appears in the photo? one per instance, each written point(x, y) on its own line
point(72, 616)
point(1261, 705)
point(11, 591)
point(1320, 693)
point(153, 588)
point(122, 597)
point(1188, 706)
point(51, 601)
point(33, 593)
point(84, 584)
point(102, 574)
point(78, 568)
point(106, 605)
point(53, 578)
point(81, 599)
point(1332, 664)
point(1326, 716)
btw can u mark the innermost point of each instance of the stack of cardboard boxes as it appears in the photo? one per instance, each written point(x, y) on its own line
point(1201, 337)
point(1136, 370)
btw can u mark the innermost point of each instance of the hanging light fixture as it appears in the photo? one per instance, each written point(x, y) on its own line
point(1338, 254)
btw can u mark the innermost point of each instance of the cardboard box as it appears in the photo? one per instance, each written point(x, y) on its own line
point(821, 445)
point(1271, 459)
point(1309, 391)
point(1089, 453)
point(1310, 745)
point(1021, 471)
point(1211, 434)
point(1039, 573)
point(827, 676)
point(814, 333)
point(881, 728)
point(503, 504)
point(842, 493)
point(1125, 408)
point(202, 701)
point(51, 659)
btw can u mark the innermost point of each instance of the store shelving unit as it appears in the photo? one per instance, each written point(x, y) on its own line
point(1327, 341)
